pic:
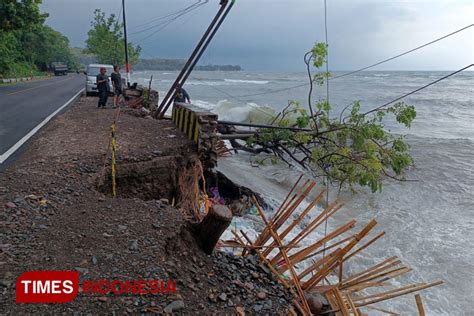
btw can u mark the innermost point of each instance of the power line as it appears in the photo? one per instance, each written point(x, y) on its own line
point(154, 19)
point(164, 24)
point(416, 90)
point(361, 69)
point(169, 16)
point(404, 53)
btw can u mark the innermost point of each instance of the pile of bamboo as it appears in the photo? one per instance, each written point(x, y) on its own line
point(323, 259)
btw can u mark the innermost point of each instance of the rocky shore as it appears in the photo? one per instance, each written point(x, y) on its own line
point(58, 215)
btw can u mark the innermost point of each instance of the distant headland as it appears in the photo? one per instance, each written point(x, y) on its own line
point(177, 64)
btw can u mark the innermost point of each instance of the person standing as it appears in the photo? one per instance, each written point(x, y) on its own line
point(103, 87)
point(181, 95)
point(117, 84)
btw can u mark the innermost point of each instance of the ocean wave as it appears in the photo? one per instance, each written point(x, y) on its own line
point(247, 81)
point(250, 112)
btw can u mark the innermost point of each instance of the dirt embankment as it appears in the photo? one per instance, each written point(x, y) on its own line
point(57, 214)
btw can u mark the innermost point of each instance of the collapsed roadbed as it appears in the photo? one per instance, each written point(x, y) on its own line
point(58, 214)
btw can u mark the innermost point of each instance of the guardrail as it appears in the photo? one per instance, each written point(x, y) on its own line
point(200, 126)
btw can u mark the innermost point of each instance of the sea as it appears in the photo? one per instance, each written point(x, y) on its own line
point(429, 223)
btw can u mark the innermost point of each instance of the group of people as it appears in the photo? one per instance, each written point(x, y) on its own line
point(103, 87)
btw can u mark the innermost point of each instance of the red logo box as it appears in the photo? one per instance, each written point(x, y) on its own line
point(47, 286)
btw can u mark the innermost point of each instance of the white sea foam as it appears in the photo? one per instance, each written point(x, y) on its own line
point(247, 81)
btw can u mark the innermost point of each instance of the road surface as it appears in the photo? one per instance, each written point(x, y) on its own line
point(25, 106)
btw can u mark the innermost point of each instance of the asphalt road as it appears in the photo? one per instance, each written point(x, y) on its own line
point(23, 106)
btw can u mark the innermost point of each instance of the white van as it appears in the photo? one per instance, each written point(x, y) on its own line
point(91, 73)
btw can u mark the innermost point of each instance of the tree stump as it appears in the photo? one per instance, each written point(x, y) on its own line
point(212, 226)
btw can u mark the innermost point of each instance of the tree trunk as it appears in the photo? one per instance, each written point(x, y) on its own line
point(212, 226)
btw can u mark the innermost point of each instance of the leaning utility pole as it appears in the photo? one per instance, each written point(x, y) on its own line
point(127, 65)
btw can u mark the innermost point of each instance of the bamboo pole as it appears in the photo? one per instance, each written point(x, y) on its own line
point(301, 216)
point(285, 213)
point(329, 247)
point(371, 268)
point(265, 260)
point(288, 262)
point(370, 242)
point(382, 310)
point(372, 272)
point(390, 296)
point(419, 305)
point(386, 292)
point(327, 268)
point(317, 264)
point(302, 254)
point(400, 270)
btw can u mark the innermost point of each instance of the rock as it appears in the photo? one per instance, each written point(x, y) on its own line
point(174, 306)
point(257, 307)
point(5, 283)
point(94, 260)
point(240, 311)
point(230, 303)
point(268, 304)
point(10, 205)
point(133, 245)
point(122, 227)
point(156, 152)
point(261, 295)
point(255, 275)
point(223, 297)
point(103, 299)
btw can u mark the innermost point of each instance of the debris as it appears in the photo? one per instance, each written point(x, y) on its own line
point(345, 294)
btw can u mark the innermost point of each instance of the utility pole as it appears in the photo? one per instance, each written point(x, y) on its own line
point(127, 65)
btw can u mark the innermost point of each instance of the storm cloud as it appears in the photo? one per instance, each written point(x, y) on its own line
point(275, 34)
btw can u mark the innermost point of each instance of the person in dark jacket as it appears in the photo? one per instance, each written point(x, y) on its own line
point(117, 84)
point(181, 95)
point(103, 87)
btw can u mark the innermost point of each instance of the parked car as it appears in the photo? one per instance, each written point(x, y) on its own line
point(59, 68)
point(91, 73)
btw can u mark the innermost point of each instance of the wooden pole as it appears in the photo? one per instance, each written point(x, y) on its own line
point(419, 305)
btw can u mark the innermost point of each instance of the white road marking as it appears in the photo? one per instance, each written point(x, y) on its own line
point(25, 138)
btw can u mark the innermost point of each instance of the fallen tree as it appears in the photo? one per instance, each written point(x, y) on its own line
point(353, 147)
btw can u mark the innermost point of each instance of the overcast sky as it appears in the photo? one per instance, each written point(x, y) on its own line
point(275, 34)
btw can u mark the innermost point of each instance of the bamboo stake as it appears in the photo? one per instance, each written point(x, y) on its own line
point(390, 296)
point(325, 214)
point(370, 242)
point(316, 264)
point(401, 270)
point(285, 213)
point(382, 310)
point(372, 272)
point(330, 247)
point(288, 262)
point(302, 254)
point(387, 292)
point(265, 260)
point(301, 216)
point(370, 269)
point(327, 268)
point(419, 305)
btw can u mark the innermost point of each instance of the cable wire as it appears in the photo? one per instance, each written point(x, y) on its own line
point(404, 53)
point(416, 90)
point(364, 68)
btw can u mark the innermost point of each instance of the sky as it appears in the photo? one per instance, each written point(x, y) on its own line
point(275, 34)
